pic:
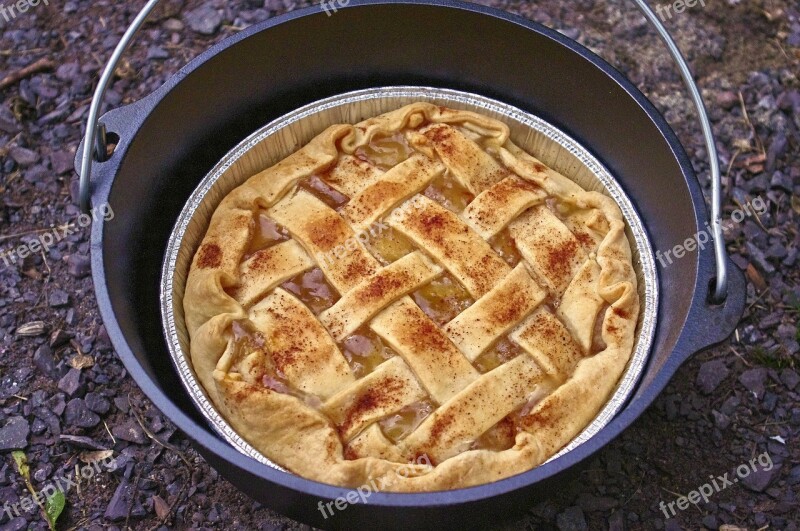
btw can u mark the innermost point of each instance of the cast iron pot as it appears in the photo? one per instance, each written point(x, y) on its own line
point(169, 140)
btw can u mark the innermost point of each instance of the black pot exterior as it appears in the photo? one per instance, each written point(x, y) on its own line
point(170, 139)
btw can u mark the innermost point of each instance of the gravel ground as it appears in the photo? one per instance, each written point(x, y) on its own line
point(66, 399)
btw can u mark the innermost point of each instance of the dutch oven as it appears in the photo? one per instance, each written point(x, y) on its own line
point(167, 142)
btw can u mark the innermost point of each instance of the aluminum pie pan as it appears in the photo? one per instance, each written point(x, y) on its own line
point(281, 137)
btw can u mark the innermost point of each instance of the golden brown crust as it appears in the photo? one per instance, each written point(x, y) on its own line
point(495, 391)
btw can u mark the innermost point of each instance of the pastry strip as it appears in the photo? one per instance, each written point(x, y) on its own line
point(589, 226)
point(387, 389)
point(581, 303)
point(497, 206)
point(371, 442)
point(268, 268)
point(548, 341)
point(491, 316)
point(439, 365)
point(350, 175)
point(472, 166)
point(225, 243)
point(376, 292)
point(443, 235)
point(552, 251)
point(391, 189)
point(300, 347)
point(322, 230)
point(453, 427)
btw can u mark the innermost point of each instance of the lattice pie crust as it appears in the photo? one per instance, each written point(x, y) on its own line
point(411, 289)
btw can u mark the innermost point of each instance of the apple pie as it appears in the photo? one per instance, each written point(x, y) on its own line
point(412, 300)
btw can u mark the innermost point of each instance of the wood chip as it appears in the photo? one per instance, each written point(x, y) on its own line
point(33, 68)
point(161, 507)
point(34, 328)
point(81, 361)
point(99, 455)
point(755, 278)
point(755, 163)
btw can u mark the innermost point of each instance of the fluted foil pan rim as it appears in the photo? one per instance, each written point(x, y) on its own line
point(395, 97)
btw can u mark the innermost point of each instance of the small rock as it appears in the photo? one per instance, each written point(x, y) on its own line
point(14, 435)
point(121, 403)
point(38, 426)
point(787, 331)
point(59, 337)
point(572, 519)
point(156, 424)
point(752, 231)
point(710, 375)
point(616, 522)
point(58, 298)
point(117, 508)
point(721, 420)
point(791, 257)
point(710, 521)
point(129, 431)
point(740, 261)
point(70, 383)
point(771, 320)
point(769, 403)
point(173, 24)
point(591, 503)
point(789, 100)
point(792, 346)
point(760, 479)
point(758, 258)
point(23, 156)
point(776, 150)
point(794, 476)
point(97, 403)
point(81, 441)
point(44, 361)
point(782, 181)
point(78, 265)
point(157, 53)
point(56, 403)
point(77, 414)
point(36, 174)
point(103, 340)
point(204, 20)
point(753, 380)
point(167, 9)
point(570, 33)
point(62, 161)
point(15, 524)
point(68, 71)
point(790, 378)
point(727, 100)
point(776, 250)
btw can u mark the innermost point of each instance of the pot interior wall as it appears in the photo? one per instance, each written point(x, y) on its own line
point(267, 74)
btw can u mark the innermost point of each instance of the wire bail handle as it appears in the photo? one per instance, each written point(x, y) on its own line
point(94, 142)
